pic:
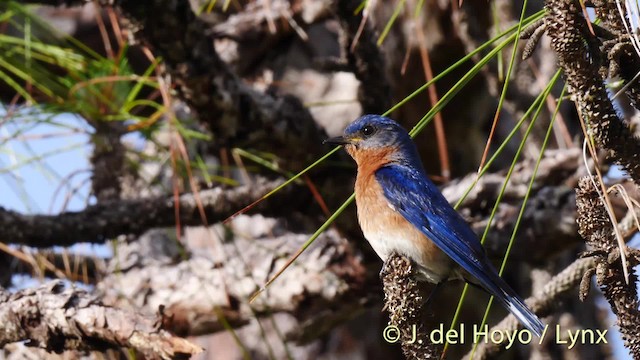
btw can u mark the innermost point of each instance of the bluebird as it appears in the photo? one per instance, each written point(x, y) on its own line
point(400, 210)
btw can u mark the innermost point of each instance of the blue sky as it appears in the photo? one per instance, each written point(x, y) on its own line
point(34, 163)
point(35, 159)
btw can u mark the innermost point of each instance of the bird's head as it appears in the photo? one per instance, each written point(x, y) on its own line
point(375, 136)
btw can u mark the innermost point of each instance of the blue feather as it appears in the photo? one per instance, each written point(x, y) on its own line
point(420, 202)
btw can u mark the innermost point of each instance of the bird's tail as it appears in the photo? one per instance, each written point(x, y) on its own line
point(508, 297)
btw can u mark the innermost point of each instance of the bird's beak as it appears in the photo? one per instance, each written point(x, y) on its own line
point(338, 140)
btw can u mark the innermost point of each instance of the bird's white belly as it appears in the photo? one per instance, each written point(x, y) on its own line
point(434, 270)
point(387, 232)
point(385, 243)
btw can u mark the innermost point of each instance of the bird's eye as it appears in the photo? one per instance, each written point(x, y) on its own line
point(368, 130)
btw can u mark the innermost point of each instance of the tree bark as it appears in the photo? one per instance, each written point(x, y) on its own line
point(56, 318)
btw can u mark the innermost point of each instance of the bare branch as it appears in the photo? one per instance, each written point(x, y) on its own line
point(217, 283)
point(107, 159)
point(57, 319)
point(98, 223)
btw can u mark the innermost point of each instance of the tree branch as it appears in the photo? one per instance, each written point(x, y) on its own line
point(57, 319)
point(98, 223)
point(217, 282)
point(595, 227)
point(571, 40)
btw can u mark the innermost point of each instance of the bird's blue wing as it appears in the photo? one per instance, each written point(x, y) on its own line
point(420, 202)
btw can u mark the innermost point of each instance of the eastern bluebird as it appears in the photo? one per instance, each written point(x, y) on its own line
point(400, 210)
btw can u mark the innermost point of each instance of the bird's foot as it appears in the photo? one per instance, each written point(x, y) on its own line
point(384, 271)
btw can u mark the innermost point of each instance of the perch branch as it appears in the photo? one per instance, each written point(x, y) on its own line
point(404, 303)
